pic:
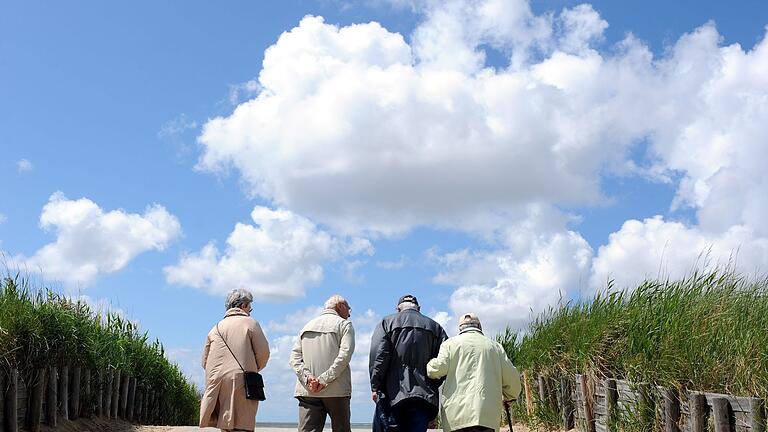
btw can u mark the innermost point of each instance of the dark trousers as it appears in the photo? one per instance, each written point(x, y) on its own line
point(313, 411)
point(475, 429)
point(413, 415)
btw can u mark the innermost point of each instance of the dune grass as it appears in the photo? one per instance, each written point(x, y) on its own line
point(40, 328)
point(707, 331)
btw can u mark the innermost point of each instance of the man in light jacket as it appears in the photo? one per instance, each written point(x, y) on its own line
point(479, 378)
point(320, 358)
point(401, 346)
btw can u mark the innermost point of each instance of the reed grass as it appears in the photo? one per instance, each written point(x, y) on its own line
point(40, 327)
point(707, 331)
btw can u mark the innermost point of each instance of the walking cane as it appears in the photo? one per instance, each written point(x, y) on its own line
point(509, 417)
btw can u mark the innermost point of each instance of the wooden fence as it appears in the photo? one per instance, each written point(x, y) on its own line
point(603, 405)
point(44, 396)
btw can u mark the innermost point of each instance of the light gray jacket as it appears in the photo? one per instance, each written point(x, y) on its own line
point(324, 349)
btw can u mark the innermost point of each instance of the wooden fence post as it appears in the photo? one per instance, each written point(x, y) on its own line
point(75, 400)
point(697, 406)
point(108, 378)
point(126, 379)
point(2, 400)
point(611, 403)
point(87, 404)
point(131, 399)
point(115, 404)
point(35, 391)
point(51, 397)
point(64, 392)
point(137, 404)
point(565, 403)
point(588, 396)
point(757, 415)
point(671, 410)
point(528, 394)
point(542, 382)
point(12, 402)
point(721, 415)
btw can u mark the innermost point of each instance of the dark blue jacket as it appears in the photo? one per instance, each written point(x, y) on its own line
point(401, 346)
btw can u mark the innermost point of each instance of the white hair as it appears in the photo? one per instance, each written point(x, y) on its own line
point(238, 297)
point(333, 301)
point(407, 305)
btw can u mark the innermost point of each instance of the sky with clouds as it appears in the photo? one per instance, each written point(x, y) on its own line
point(495, 156)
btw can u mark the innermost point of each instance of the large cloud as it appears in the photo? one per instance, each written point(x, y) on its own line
point(539, 263)
point(276, 258)
point(355, 128)
point(657, 248)
point(91, 242)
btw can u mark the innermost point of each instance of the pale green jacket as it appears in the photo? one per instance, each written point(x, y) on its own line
point(479, 377)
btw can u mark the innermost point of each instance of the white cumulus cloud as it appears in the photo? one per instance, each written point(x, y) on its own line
point(24, 165)
point(91, 242)
point(657, 248)
point(276, 257)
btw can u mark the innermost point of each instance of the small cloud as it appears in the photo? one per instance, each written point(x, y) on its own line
point(392, 265)
point(24, 165)
point(3, 218)
point(173, 132)
point(238, 92)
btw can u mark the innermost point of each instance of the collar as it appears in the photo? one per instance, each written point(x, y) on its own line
point(235, 311)
point(330, 311)
point(471, 329)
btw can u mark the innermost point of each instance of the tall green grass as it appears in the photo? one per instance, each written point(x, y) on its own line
point(707, 331)
point(39, 328)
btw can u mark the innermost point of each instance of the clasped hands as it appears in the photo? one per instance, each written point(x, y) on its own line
point(314, 385)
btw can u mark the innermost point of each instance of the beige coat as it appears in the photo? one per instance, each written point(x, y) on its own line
point(479, 376)
point(324, 349)
point(224, 405)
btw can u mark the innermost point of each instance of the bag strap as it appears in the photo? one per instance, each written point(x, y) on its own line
point(227, 345)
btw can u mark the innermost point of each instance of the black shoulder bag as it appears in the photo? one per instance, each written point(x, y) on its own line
point(254, 384)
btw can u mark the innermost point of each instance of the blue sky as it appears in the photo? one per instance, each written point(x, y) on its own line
point(491, 156)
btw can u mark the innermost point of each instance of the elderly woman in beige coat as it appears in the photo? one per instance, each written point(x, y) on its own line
point(224, 405)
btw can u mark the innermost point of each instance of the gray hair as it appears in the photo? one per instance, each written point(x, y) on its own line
point(238, 297)
point(333, 301)
point(407, 305)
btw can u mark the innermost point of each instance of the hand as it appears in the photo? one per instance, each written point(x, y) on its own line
point(374, 397)
point(314, 385)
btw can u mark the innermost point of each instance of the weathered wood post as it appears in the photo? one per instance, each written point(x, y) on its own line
point(35, 391)
point(131, 399)
point(757, 415)
point(611, 403)
point(124, 383)
point(721, 415)
point(671, 410)
point(51, 397)
point(115, 404)
point(697, 405)
point(137, 404)
point(74, 403)
point(2, 400)
point(64, 392)
point(86, 409)
point(587, 403)
point(565, 403)
point(542, 383)
point(12, 402)
point(108, 378)
point(528, 394)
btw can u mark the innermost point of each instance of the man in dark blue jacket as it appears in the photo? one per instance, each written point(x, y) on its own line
point(401, 346)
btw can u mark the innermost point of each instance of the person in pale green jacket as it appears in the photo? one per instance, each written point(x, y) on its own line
point(479, 379)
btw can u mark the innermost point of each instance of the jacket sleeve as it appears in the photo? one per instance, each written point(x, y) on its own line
point(510, 378)
point(297, 362)
point(341, 362)
point(381, 349)
point(260, 346)
point(206, 350)
point(438, 366)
